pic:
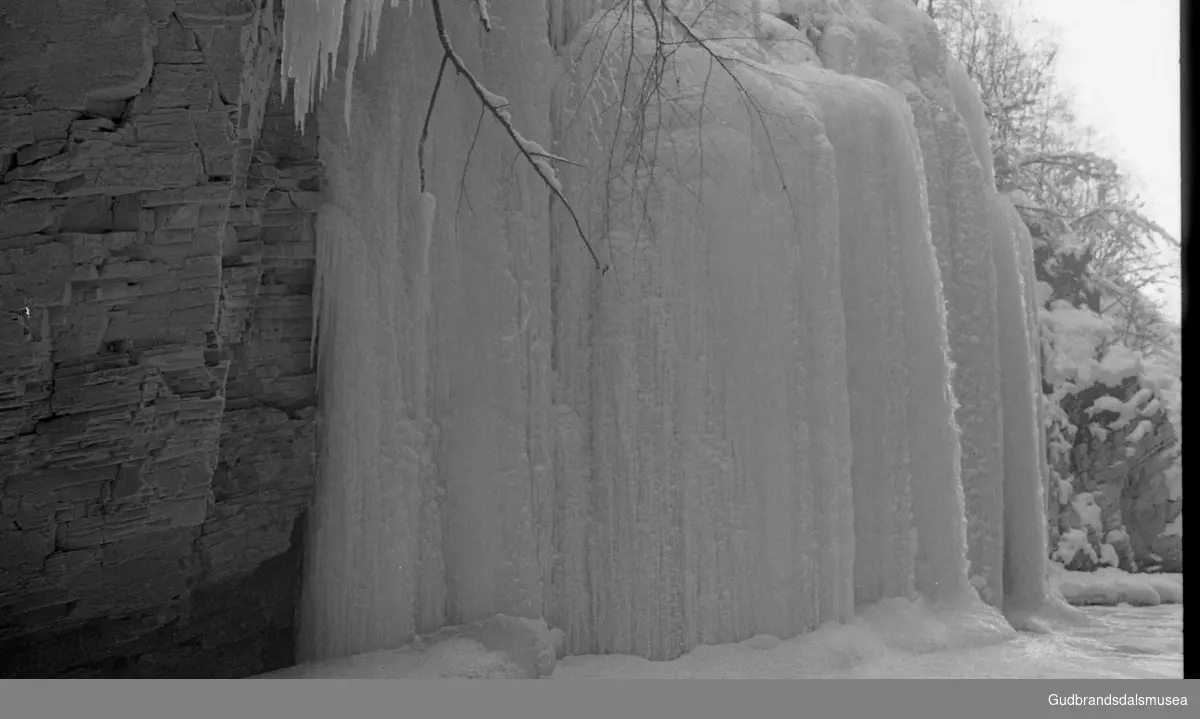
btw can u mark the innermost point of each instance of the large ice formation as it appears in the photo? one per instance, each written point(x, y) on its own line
point(814, 336)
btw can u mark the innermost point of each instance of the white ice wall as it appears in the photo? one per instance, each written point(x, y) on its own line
point(746, 426)
point(706, 372)
point(986, 260)
point(1024, 517)
point(898, 45)
point(432, 507)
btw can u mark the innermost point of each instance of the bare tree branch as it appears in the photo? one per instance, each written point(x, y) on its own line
point(495, 105)
point(437, 85)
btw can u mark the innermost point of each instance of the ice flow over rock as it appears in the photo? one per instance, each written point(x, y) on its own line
point(806, 384)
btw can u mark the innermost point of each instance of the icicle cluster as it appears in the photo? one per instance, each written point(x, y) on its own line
point(312, 31)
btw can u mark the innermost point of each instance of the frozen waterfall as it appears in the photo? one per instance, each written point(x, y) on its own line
point(814, 337)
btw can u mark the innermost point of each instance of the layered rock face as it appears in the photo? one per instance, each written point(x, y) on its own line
point(156, 399)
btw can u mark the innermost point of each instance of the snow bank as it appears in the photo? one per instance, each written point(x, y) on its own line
point(890, 630)
point(500, 647)
point(1169, 586)
point(1110, 586)
point(894, 638)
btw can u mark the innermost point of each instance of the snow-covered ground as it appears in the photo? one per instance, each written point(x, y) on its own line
point(1121, 642)
point(892, 638)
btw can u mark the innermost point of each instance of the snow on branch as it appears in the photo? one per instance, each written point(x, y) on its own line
point(1088, 164)
point(533, 153)
point(484, 18)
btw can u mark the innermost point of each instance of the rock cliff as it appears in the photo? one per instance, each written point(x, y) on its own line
point(156, 399)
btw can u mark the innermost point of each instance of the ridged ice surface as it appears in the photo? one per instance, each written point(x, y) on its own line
point(748, 425)
point(957, 202)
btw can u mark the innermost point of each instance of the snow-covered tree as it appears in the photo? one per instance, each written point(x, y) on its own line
point(1110, 357)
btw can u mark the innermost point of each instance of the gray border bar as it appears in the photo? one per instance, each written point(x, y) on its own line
point(603, 699)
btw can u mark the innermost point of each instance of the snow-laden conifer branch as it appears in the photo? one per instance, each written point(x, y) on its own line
point(534, 153)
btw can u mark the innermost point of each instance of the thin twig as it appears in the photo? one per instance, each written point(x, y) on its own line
point(723, 62)
point(462, 180)
point(429, 115)
point(505, 121)
point(556, 158)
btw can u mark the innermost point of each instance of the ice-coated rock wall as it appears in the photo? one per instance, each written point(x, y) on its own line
point(901, 47)
point(435, 505)
point(705, 375)
point(813, 335)
point(985, 257)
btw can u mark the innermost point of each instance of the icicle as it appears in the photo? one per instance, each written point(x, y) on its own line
point(364, 25)
point(312, 31)
point(428, 209)
point(423, 291)
point(356, 31)
point(331, 223)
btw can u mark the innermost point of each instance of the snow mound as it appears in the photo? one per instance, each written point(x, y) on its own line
point(895, 638)
point(762, 641)
point(886, 633)
point(1111, 586)
point(500, 647)
point(919, 627)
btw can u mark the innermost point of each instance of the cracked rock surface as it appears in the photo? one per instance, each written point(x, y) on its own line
point(156, 398)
